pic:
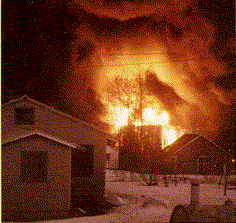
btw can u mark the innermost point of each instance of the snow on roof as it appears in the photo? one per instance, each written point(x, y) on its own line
point(25, 97)
point(16, 135)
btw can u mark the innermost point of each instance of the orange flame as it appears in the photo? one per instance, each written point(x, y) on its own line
point(116, 66)
point(120, 115)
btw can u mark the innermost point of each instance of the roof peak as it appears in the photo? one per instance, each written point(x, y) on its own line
point(16, 135)
point(179, 145)
point(58, 112)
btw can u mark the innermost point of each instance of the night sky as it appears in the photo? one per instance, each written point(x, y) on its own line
point(53, 51)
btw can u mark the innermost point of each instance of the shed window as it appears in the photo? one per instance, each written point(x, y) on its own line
point(24, 116)
point(34, 166)
point(82, 161)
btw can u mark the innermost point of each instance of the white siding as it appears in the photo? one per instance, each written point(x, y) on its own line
point(51, 195)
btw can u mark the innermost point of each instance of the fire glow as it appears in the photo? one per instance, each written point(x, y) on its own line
point(152, 114)
point(121, 115)
point(151, 57)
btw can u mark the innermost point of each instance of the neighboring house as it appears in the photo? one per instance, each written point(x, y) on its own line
point(50, 160)
point(195, 154)
point(112, 154)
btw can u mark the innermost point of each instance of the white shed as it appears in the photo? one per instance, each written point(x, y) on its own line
point(50, 160)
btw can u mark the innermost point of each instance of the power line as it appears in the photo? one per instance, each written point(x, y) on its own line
point(137, 64)
point(132, 54)
point(132, 36)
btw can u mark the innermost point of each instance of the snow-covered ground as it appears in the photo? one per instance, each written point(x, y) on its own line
point(141, 203)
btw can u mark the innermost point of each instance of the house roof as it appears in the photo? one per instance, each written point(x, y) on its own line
point(180, 142)
point(17, 135)
point(25, 97)
point(185, 140)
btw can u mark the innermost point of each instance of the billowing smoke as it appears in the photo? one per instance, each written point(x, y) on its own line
point(185, 49)
point(70, 52)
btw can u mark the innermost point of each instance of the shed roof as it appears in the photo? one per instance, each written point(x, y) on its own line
point(21, 134)
point(25, 97)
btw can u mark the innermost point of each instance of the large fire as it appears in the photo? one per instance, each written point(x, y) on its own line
point(120, 115)
point(128, 65)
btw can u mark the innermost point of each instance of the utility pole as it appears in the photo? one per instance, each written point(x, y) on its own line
point(140, 119)
point(141, 111)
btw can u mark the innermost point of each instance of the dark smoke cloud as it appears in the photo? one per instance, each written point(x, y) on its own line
point(53, 49)
point(163, 92)
point(37, 38)
point(84, 51)
point(227, 82)
point(221, 14)
point(202, 90)
point(124, 10)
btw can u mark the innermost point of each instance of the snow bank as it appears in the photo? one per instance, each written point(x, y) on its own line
point(126, 213)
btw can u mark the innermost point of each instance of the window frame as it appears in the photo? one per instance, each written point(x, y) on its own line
point(29, 161)
point(22, 119)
